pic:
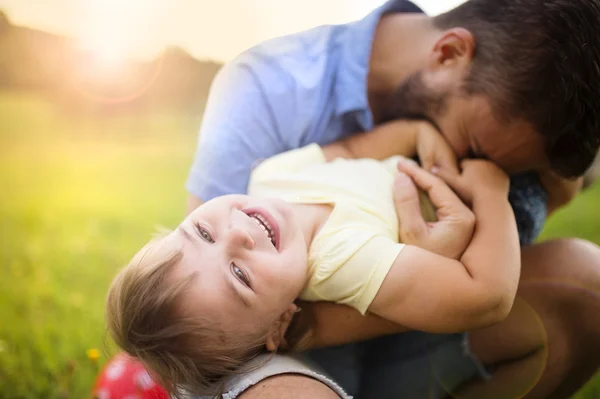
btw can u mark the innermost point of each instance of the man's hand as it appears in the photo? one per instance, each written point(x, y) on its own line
point(477, 179)
point(451, 234)
point(432, 148)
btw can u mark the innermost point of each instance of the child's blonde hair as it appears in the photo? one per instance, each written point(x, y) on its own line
point(182, 352)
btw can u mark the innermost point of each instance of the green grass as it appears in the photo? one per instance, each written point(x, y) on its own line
point(78, 196)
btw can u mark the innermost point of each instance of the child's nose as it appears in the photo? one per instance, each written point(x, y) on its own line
point(239, 237)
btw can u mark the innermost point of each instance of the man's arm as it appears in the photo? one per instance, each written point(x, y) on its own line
point(560, 191)
point(340, 324)
point(384, 141)
point(292, 386)
point(408, 138)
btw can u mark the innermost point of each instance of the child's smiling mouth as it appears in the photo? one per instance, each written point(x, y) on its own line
point(264, 225)
point(267, 222)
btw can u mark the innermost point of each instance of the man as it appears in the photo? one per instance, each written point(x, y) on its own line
point(513, 81)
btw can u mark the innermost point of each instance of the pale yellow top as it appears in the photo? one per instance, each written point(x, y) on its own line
point(354, 250)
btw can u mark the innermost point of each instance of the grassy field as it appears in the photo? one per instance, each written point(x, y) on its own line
point(79, 196)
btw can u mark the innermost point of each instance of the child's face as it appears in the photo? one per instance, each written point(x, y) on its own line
point(250, 256)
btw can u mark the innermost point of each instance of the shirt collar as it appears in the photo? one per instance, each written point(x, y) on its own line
point(356, 42)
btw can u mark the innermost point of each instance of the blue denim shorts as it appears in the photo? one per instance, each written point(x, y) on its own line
point(409, 365)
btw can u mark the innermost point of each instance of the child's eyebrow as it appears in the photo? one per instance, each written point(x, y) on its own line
point(230, 283)
point(186, 234)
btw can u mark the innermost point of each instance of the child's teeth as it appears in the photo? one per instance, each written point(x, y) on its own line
point(265, 226)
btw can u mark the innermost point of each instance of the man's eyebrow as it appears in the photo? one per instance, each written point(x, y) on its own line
point(237, 292)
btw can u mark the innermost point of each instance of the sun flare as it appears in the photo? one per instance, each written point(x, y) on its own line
point(113, 30)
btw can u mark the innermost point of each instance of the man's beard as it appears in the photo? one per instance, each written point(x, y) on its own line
point(413, 99)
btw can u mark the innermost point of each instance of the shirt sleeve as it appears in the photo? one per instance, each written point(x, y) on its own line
point(356, 282)
point(237, 130)
point(529, 201)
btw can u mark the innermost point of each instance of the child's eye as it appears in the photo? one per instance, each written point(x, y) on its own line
point(204, 234)
point(239, 273)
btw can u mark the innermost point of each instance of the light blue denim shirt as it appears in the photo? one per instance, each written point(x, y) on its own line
point(285, 93)
point(295, 90)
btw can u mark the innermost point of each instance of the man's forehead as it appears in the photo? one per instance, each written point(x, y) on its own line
point(513, 143)
point(484, 121)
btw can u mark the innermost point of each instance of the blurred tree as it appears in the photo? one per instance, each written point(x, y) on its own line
point(36, 60)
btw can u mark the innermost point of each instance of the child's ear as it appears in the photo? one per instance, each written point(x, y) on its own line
point(277, 335)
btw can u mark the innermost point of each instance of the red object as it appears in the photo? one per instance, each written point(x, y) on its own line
point(125, 378)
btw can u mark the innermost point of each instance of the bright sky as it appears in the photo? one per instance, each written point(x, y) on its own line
point(215, 29)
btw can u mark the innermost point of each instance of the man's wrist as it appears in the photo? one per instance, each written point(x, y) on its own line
point(392, 138)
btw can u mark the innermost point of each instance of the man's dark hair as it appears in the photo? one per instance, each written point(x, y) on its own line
point(539, 60)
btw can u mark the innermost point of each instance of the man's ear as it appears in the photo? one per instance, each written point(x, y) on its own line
point(451, 56)
point(277, 335)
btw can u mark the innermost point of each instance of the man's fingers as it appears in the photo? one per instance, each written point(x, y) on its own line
point(406, 199)
point(454, 181)
point(434, 150)
point(446, 160)
point(450, 177)
point(439, 192)
point(427, 161)
point(421, 177)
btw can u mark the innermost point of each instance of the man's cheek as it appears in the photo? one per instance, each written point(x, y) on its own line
point(461, 149)
point(520, 161)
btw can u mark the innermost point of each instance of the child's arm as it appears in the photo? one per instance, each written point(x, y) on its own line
point(429, 292)
point(400, 137)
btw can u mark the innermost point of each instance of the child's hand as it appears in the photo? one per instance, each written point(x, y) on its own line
point(433, 149)
point(478, 178)
point(451, 234)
